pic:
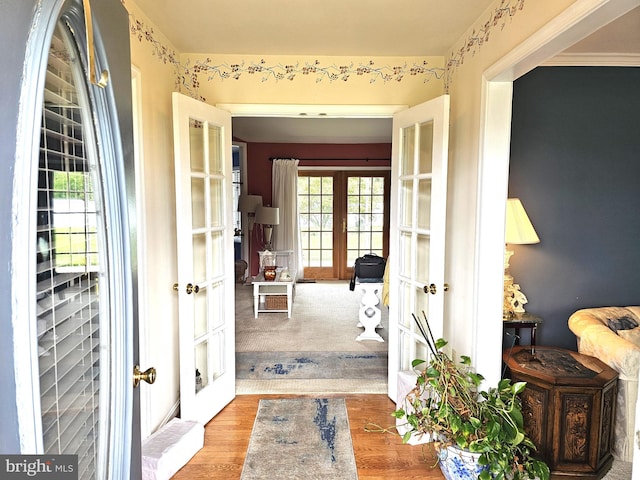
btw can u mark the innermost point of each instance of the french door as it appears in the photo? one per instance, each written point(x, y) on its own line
point(343, 215)
point(205, 228)
point(418, 221)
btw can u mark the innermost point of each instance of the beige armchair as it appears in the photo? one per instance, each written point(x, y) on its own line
point(596, 339)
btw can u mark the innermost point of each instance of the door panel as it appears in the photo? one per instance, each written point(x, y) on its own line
point(418, 220)
point(367, 217)
point(316, 210)
point(205, 228)
point(81, 293)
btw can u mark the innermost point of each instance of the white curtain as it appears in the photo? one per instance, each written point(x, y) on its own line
point(285, 197)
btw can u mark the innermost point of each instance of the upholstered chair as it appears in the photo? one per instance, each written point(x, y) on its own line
point(612, 334)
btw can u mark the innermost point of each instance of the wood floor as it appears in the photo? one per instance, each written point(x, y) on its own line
point(378, 455)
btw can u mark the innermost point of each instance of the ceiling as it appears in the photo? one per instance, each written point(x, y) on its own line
point(339, 28)
point(314, 27)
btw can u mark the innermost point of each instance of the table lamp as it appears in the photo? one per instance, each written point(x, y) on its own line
point(519, 231)
point(267, 217)
point(249, 204)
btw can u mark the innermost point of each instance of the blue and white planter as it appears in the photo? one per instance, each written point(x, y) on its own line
point(457, 464)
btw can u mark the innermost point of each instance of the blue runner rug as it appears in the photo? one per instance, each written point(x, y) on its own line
point(302, 439)
point(311, 365)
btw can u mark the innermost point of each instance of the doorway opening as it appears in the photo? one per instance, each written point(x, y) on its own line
point(339, 223)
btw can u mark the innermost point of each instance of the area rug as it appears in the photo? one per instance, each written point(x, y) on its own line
point(311, 365)
point(302, 439)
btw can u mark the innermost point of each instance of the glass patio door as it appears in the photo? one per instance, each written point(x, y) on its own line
point(418, 220)
point(343, 215)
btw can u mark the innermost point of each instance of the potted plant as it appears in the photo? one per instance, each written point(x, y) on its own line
point(462, 421)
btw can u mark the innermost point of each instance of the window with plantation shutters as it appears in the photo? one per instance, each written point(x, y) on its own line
point(69, 265)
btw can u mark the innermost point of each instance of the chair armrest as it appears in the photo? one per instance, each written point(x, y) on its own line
point(597, 340)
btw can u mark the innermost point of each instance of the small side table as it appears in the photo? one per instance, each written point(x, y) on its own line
point(523, 320)
point(263, 288)
point(569, 407)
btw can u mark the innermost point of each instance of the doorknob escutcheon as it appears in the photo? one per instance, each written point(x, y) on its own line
point(149, 375)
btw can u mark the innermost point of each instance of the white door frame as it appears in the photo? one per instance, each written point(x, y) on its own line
point(320, 111)
point(242, 147)
point(576, 22)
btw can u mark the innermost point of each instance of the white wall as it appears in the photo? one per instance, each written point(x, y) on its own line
point(156, 81)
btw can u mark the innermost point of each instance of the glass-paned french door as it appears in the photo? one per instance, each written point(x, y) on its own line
point(316, 214)
point(342, 215)
point(419, 192)
point(204, 229)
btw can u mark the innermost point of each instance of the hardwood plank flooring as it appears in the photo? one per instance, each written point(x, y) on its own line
point(378, 455)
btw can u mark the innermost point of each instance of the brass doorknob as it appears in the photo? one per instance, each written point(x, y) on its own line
point(432, 289)
point(149, 376)
point(190, 288)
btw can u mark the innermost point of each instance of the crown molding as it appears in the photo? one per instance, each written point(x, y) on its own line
point(594, 60)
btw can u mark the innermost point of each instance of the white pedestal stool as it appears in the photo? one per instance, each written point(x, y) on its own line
point(369, 314)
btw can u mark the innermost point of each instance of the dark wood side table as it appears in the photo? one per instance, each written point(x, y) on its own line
point(523, 320)
point(568, 408)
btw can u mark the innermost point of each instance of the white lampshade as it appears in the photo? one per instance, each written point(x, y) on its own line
point(268, 215)
point(519, 230)
point(249, 203)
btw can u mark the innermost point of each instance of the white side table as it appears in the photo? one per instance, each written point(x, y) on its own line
point(369, 315)
point(263, 288)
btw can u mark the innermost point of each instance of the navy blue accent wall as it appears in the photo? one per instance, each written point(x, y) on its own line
point(575, 164)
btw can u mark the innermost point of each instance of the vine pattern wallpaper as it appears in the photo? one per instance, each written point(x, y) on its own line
point(480, 36)
point(189, 76)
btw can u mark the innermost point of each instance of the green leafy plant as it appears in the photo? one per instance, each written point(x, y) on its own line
point(447, 405)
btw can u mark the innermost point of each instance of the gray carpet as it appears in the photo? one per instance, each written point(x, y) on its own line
point(619, 471)
point(302, 439)
point(324, 319)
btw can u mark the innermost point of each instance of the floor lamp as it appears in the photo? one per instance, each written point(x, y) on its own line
point(249, 204)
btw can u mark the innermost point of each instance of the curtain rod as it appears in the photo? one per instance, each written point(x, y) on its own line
point(271, 159)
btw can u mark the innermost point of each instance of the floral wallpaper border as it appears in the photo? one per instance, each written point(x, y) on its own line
point(479, 36)
point(189, 76)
